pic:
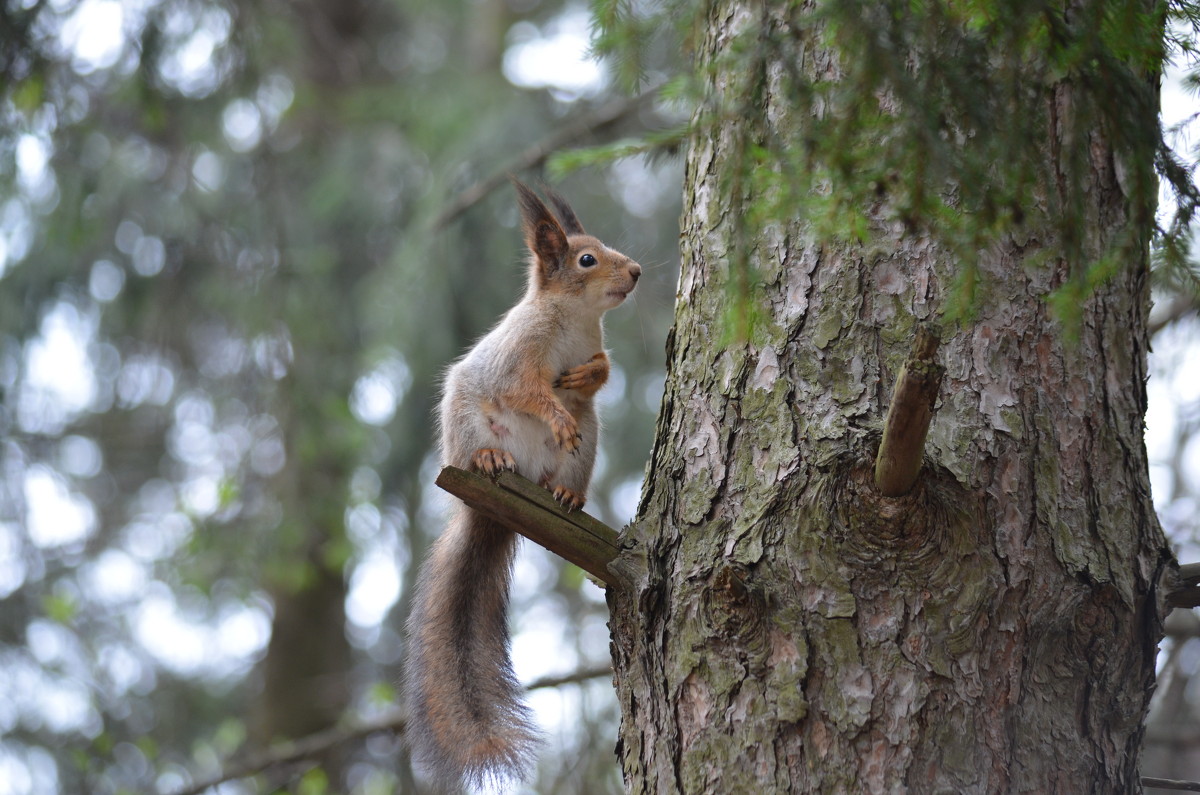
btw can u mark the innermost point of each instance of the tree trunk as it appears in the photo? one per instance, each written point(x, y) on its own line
point(992, 631)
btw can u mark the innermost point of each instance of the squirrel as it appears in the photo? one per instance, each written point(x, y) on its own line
point(521, 399)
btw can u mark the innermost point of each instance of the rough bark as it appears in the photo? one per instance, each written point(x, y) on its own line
point(992, 631)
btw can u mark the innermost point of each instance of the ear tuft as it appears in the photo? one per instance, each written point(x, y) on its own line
point(543, 234)
point(570, 221)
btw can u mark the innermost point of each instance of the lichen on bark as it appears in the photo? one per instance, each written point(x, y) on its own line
point(791, 630)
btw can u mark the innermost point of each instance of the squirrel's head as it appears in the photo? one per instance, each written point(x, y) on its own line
point(567, 261)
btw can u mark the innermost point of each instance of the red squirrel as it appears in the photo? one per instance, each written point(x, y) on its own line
point(520, 400)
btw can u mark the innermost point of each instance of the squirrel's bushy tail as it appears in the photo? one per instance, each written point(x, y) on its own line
point(466, 721)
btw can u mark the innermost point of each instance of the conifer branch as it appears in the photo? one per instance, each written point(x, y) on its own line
point(530, 510)
point(540, 151)
point(902, 448)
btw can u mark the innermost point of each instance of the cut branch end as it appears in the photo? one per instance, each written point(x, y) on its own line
point(903, 445)
point(530, 510)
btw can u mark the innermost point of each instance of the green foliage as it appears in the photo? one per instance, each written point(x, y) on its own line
point(28, 95)
point(60, 607)
point(382, 694)
point(1175, 268)
point(314, 782)
point(653, 145)
point(947, 117)
point(626, 29)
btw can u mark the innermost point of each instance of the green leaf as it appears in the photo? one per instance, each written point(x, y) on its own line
point(336, 553)
point(227, 493)
point(382, 694)
point(314, 782)
point(60, 608)
point(27, 96)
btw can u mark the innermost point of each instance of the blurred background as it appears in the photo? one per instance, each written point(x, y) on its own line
point(239, 241)
point(235, 257)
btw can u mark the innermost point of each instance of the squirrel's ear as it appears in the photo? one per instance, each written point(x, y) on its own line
point(570, 221)
point(543, 233)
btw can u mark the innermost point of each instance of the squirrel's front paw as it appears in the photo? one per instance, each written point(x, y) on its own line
point(591, 374)
point(491, 461)
point(569, 500)
point(566, 432)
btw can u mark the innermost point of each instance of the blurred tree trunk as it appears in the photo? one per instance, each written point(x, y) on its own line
point(308, 666)
point(306, 671)
point(992, 631)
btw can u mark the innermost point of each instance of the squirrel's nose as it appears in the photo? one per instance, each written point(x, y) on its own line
point(635, 271)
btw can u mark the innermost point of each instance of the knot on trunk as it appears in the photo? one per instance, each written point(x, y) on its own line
point(733, 608)
point(911, 533)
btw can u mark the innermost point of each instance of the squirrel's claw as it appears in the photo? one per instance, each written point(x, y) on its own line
point(568, 499)
point(491, 461)
point(566, 432)
point(592, 373)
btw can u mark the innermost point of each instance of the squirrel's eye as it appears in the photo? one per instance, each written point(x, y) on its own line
point(587, 260)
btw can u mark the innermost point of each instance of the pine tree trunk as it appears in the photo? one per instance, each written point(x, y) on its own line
point(992, 631)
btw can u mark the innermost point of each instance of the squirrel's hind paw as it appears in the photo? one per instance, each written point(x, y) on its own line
point(569, 500)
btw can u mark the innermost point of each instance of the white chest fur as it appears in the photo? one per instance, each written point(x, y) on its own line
point(477, 385)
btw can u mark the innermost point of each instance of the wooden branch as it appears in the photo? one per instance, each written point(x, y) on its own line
point(295, 751)
point(536, 154)
point(903, 446)
point(530, 510)
point(573, 678)
point(316, 744)
point(1175, 737)
point(1170, 783)
point(1176, 309)
point(1185, 591)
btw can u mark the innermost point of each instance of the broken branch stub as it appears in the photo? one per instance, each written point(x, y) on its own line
point(898, 463)
point(529, 510)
